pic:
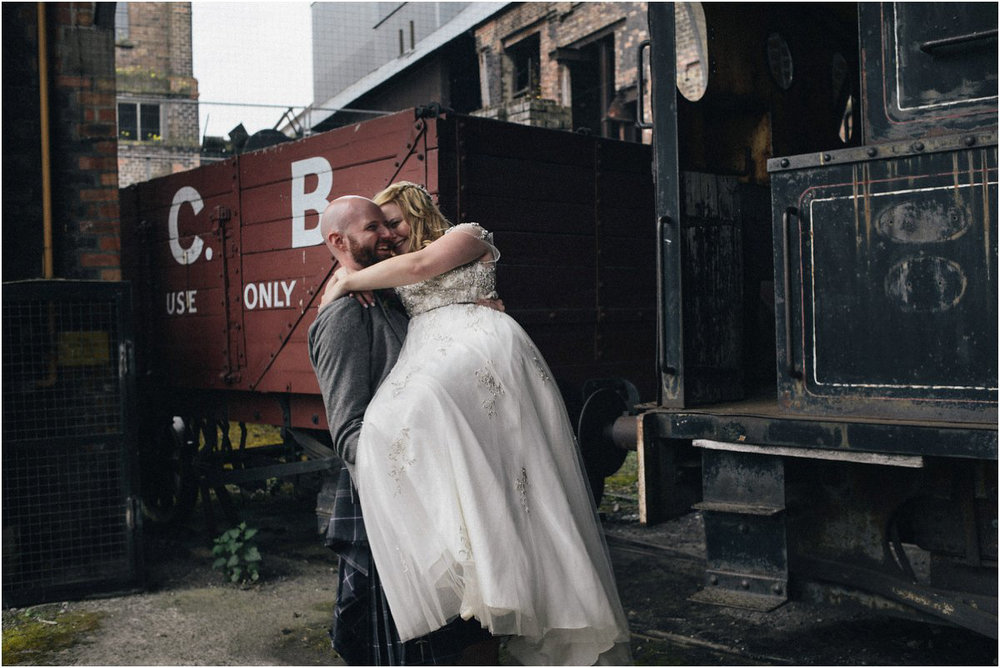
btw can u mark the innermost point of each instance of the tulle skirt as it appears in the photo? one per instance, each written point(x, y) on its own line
point(475, 499)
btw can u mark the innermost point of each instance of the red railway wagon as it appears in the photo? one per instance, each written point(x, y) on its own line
point(227, 263)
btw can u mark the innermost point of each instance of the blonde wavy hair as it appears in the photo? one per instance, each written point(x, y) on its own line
point(426, 221)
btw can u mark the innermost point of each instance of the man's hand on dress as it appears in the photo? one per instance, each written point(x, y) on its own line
point(496, 304)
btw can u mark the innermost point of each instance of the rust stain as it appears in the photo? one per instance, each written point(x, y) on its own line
point(956, 173)
point(866, 194)
point(987, 213)
point(926, 284)
point(857, 213)
point(924, 220)
point(923, 601)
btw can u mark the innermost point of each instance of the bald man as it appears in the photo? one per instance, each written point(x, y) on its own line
point(367, 339)
point(352, 349)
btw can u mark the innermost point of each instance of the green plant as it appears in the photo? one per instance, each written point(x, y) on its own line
point(237, 555)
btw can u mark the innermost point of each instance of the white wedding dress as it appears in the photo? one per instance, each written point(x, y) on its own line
point(472, 488)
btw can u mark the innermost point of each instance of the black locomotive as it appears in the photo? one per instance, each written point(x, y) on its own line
point(826, 194)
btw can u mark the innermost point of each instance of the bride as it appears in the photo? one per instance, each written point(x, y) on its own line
point(470, 481)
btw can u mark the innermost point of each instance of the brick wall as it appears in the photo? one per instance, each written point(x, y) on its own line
point(154, 65)
point(180, 40)
point(505, 30)
point(87, 231)
point(528, 111)
point(83, 150)
point(142, 163)
point(558, 25)
point(152, 30)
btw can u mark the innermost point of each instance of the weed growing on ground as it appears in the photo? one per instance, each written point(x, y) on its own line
point(236, 555)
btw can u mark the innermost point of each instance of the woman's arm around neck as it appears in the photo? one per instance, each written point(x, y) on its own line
point(442, 255)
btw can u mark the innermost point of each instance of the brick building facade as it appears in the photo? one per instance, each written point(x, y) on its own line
point(564, 65)
point(157, 92)
point(79, 108)
point(560, 65)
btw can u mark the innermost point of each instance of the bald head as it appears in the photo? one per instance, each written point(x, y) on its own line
point(342, 211)
point(354, 230)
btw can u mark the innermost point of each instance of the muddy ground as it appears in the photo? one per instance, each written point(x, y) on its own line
point(189, 616)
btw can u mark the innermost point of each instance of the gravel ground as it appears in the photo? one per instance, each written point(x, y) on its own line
point(188, 616)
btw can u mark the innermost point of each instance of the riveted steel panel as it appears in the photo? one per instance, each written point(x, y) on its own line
point(930, 67)
point(886, 281)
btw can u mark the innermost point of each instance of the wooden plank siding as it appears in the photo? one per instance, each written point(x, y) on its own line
point(572, 216)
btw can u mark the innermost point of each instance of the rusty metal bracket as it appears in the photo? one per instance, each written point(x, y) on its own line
point(220, 214)
point(744, 514)
point(292, 324)
point(417, 131)
point(225, 477)
point(742, 590)
point(964, 610)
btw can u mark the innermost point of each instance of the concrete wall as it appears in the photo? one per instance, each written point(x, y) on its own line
point(352, 39)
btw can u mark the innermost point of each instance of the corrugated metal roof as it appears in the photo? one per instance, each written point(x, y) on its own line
point(469, 18)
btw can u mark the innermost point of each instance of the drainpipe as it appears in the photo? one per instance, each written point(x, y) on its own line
point(43, 103)
point(43, 86)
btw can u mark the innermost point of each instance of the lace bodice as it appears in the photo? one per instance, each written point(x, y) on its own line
point(466, 284)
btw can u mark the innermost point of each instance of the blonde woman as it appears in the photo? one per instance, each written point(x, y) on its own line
point(473, 492)
point(403, 202)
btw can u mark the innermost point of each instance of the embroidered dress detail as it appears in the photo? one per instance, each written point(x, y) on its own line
point(465, 553)
point(402, 560)
point(400, 385)
point(493, 386)
point(444, 342)
point(458, 527)
point(540, 366)
point(522, 489)
point(475, 321)
point(463, 285)
point(398, 455)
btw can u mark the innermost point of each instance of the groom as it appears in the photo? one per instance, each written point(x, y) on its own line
point(352, 349)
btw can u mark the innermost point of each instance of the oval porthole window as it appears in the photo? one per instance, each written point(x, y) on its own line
point(691, 46)
point(779, 60)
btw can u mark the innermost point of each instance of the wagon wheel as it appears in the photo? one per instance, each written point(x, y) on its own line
point(169, 482)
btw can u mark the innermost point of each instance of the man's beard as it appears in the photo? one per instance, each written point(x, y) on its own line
point(365, 257)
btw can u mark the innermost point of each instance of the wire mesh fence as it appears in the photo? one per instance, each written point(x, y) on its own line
point(60, 369)
point(68, 521)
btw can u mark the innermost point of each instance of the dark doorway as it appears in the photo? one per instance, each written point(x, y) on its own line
point(526, 60)
point(592, 81)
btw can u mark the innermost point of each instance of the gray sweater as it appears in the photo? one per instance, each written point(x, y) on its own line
point(352, 350)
